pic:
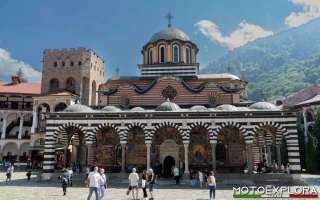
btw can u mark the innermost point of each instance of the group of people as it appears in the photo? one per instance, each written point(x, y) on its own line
point(275, 168)
point(147, 180)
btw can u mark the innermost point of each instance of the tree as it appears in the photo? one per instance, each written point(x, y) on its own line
point(21, 75)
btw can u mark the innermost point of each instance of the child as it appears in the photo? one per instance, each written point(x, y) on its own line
point(144, 185)
point(28, 175)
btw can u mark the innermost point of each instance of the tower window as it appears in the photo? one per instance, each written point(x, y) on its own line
point(150, 55)
point(175, 54)
point(55, 64)
point(79, 63)
point(162, 54)
point(63, 64)
point(188, 56)
point(71, 63)
point(54, 84)
point(70, 85)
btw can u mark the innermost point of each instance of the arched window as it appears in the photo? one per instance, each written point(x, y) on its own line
point(54, 84)
point(79, 63)
point(71, 63)
point(70, 85)
point(55, 64)
point(63, 64)
point(162, 51)
point(150, 54)
point(188, 56)
point(175, 53)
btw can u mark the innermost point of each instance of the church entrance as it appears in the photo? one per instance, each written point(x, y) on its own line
point(168, 165)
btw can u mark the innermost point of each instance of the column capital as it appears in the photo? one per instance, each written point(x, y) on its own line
point(123, 143)
point(148, 143)
point(213, 141)
point(186, 142)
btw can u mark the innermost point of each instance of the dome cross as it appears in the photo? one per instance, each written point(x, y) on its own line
point(169, 17)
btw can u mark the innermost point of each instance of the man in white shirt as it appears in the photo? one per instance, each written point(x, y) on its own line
point(133, 183)
point(95, 180)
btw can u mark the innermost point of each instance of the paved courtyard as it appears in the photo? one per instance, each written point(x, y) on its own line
point(21, 189)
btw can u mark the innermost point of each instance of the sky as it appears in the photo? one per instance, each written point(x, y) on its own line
point(117, 29)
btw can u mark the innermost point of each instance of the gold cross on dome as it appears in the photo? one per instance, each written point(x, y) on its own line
point(169, 17)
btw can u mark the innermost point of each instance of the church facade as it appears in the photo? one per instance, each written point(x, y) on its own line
point(170, 115)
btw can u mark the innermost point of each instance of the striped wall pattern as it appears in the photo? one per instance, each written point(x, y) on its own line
point(248, 127)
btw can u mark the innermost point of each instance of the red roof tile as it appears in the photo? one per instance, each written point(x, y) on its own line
point(22, 88)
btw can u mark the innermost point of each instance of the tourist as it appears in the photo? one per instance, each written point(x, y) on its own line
point(200, 175)
point(144, 185)
point(134, 183)
point(94, 179)
point(28, 174)
point(87, 171)
point(9, 173)
point(282, 170)
point(151, 179)
point(64, 181)
point(103, 184)
point(212, 185)
point(70, 172)
point(287, 168)
point(176, 175)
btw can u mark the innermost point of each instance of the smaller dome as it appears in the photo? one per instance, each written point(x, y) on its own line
point(264, 106)
point(198, 108)
point(111, 109)
point(78, 108)
point(243, 109)
point(227, 107)
point(168, 106)
point(137, 109)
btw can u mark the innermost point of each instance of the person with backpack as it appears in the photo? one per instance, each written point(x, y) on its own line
point(151, 181)
point(212, 185)
point(64, 181)
point(144, 185)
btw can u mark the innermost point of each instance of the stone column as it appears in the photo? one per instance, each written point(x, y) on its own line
point(20, 126)
point(123, 157)
point(278, 154)
point(305, 123)
point(148, 154)
point(213, 150)
point(269, 161)
point(186, 158)
point(4, 126)
point(250, 158)
point(34, 120)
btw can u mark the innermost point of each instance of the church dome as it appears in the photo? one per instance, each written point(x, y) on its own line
point(168, 106)
point(169, 33)
point(198, 108)
point(78, 108)
point(111, 109)
point(264, 106)
point(227, 107)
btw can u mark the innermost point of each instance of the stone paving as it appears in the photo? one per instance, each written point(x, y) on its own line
point(21, 189)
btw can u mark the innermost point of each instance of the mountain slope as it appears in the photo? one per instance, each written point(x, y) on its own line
point(277, 65)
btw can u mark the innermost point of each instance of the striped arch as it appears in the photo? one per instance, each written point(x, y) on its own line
point(117, 129)
point(203, 125)
point(134, 125)
point(182, 133)
point(280, 132)
point(247, 136)
point(62, 135)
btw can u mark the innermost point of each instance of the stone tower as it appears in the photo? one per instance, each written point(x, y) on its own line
point(77, 70)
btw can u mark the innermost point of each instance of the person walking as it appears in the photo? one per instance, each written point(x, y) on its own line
point(144, 185)
point(212, 185)
point(64, 181)
point(28, 174)
point(94, 179)
point(200, 174)
point(103, 184)
point(151, 181)
point(134, 183)
point(176, 175)
point(9, 173)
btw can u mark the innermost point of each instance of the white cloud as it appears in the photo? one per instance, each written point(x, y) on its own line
point(311, 10)
point(9, 66)
point(242, 35)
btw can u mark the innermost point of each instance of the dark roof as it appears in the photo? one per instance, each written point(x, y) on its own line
point(301, 96)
